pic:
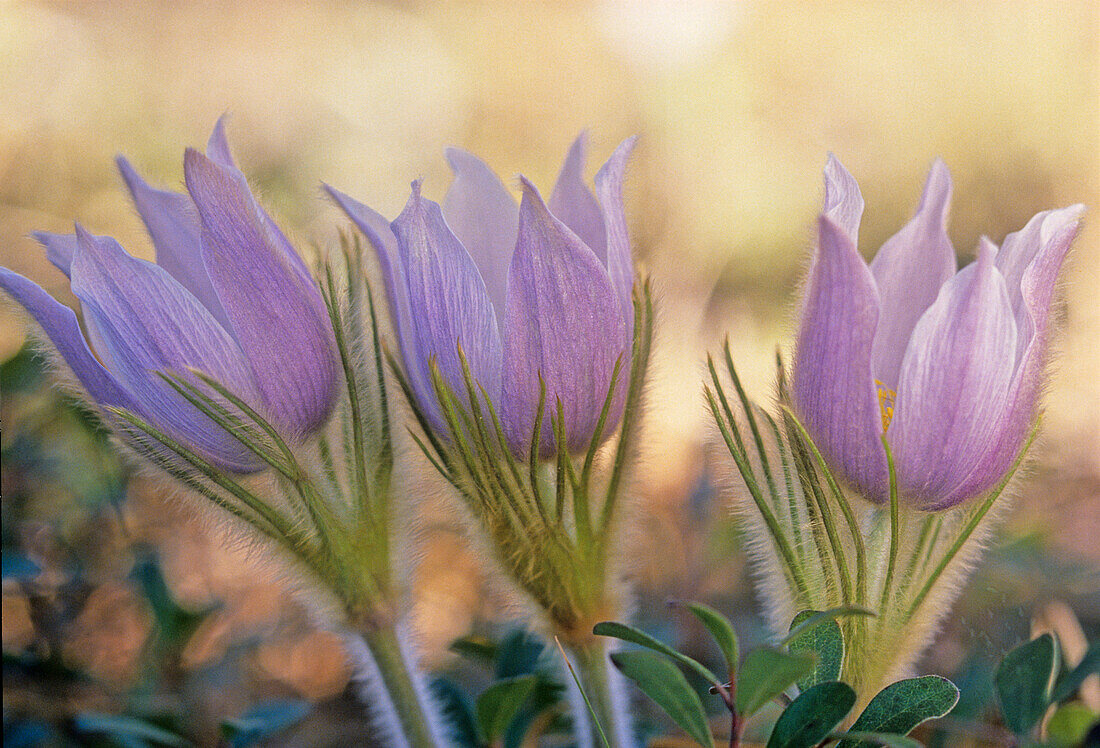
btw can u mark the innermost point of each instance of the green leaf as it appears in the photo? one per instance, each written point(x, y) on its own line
point(473, 648)
point(823, 637)
point(264, 720)
point(636, 636)
point(875, 738)
point(802, 622)
point(456, 709)
point(901, 706)
point(1070, 681)
point(766, 673)
point(1069, 725)
point(1024, 680)
point(722, 630)
point(663, 682)
point(500, 702)
point(126, 729)
point(812, 716)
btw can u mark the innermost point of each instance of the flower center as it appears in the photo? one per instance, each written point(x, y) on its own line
point(886, 398)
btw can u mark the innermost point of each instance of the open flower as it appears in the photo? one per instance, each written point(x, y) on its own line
point(530, 291)
point(228, 296)
point(947, 364)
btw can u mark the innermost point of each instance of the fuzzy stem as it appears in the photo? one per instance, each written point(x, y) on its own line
point(394, 690)
point(605, 689)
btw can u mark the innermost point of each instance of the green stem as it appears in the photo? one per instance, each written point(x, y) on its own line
point(608, 723)
point(405, 686)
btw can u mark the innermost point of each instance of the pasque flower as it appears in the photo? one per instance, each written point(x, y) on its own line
point(947, 364)
point(228, 296)
point(538, 290)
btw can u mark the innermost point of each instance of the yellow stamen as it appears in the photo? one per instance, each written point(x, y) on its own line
point(886, 398)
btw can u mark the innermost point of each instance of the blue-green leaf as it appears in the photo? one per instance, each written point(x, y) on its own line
point(865, 738)
point(663, 682)
point(456, 709)
point(499, 704)
point(1070, 681)
point(809, 619)
point(812, 716)
point(766, 673)
point(1024, 680)
point(637, 636)
point(126, 729)
point(264, 720)
point(901, 706)
point(722, 630)
point(822, 636)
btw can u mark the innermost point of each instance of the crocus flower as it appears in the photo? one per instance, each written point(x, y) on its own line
point(228, 296)
point(948, 364)
point(528, 291)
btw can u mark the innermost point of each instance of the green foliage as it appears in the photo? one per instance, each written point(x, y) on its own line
point(1069, 681)
point(722, 630)
point(663, 682)
point(1070, 723)
point(766, 673)
point(264, 720)
point(825, 640)
point(499, 704)
point(1024, 680)
point(126, 731)
point(901, 706)
point(637, 636)
point(812, 716)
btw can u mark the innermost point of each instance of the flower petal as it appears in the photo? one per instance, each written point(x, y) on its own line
point(378, 232)
point(832, 385)
point(1030, 274)
point(60, 249)
point(909, 271)
point(565, 323)
point(483, 216)
point(954, 388)
point(275, 313)
point(573, 204)
point(61, 327)
point(843, 200)
point(173, 225)
point(148, 322)
point(620, 262)
point(452, 305)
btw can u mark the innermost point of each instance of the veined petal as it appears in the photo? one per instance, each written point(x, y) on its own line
point(909, 271)
point(173, 225)
point(275, 313)
point(954, 388)
point(620, 261)
point(573, 203)
point(61, 327)
point(843, 200)
point(148, 322)
point(1030, 289)
point(565, 323)
point(483, 216)
point(452, 305)
point(378, 232)
point(60, 249)
point(832, 385)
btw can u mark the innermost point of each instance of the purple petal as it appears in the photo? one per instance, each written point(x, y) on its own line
point(565, 323)
point(483, 215)
point(217, 147)
point(954, 388)
point(61, 327)
point(620, 262)
point(173, 225)
point(450, 305)
point(832, 385)
point(843, 200)
point(60, 249)
point(275, 313)
point(573, 204)
point(909, 271)
point(148, 322)
point(378, 232)
point(1032, 258)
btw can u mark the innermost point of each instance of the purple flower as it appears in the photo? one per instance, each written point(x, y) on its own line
point(947, 364)
point(527, 291)
point(228, 296)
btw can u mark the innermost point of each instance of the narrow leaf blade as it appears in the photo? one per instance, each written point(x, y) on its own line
point(722, 630)
point(812, 716)
point(637, 636)
point(663, 682)
point(766, 673)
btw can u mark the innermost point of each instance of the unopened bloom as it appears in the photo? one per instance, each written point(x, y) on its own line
point(228, 296)
point(530, 291)
point(947, 364)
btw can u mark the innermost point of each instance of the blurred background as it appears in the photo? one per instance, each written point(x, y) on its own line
point(120, 598)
